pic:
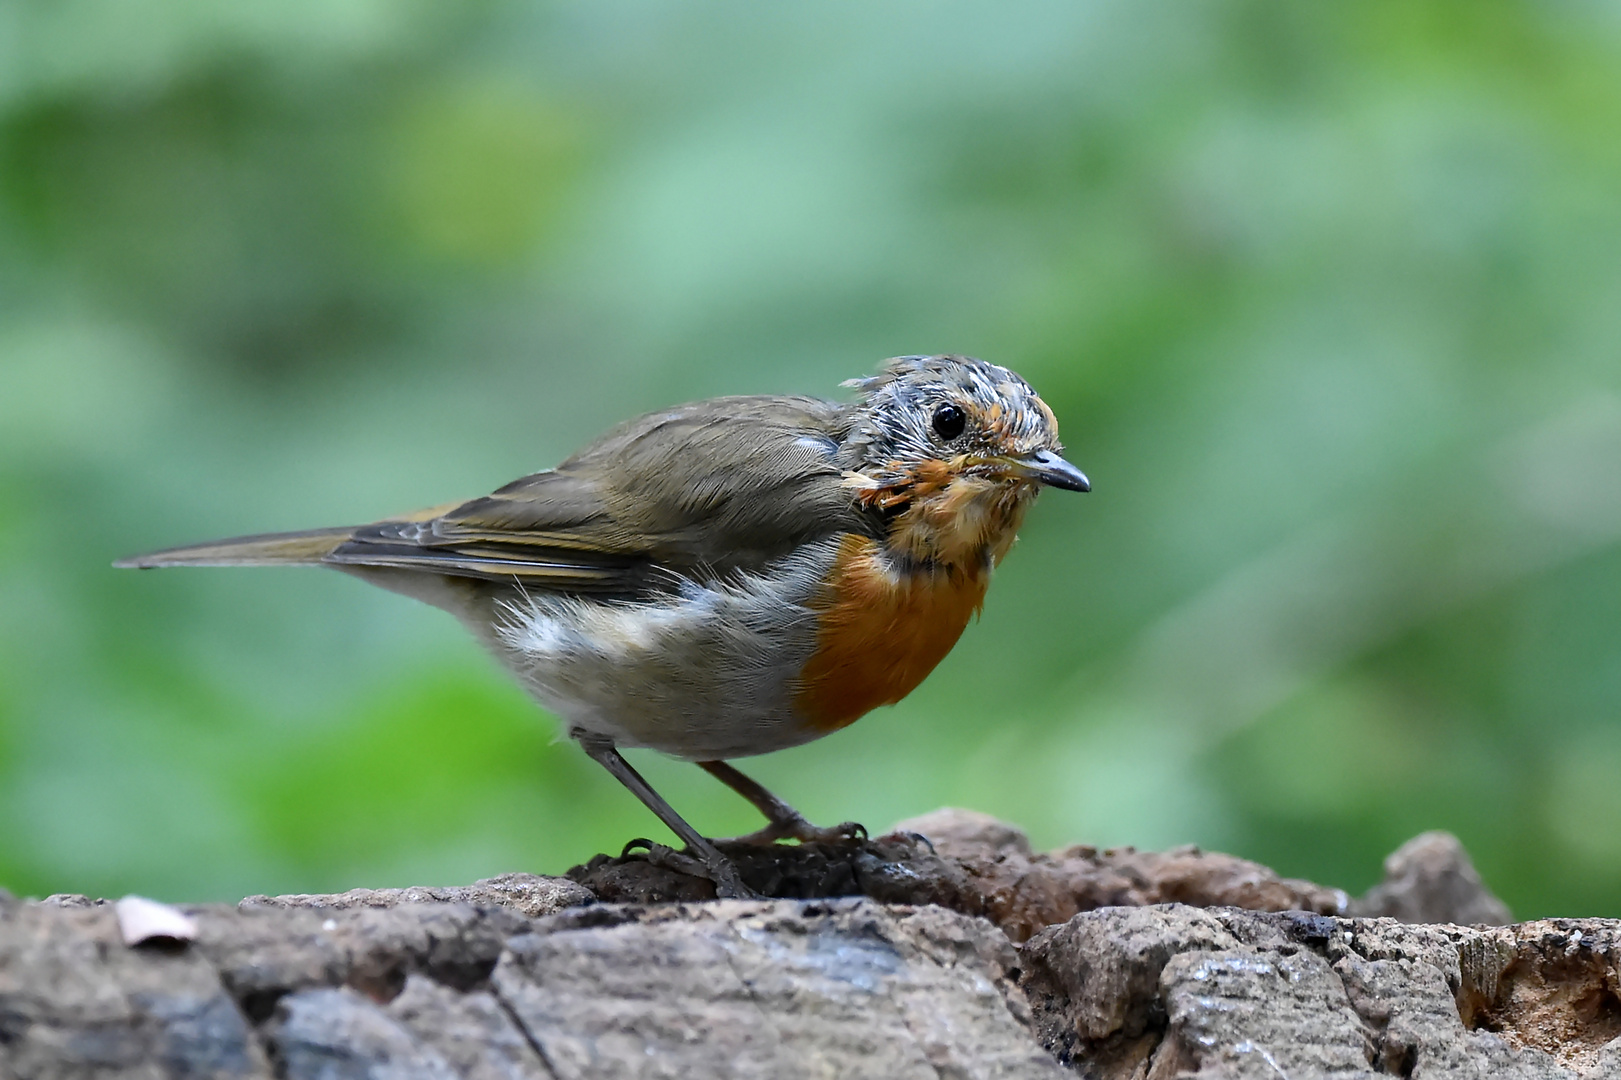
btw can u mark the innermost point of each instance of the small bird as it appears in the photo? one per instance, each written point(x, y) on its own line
point(729, 577)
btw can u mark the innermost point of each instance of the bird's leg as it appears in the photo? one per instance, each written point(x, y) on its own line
point(786, 822)
point(728, 886)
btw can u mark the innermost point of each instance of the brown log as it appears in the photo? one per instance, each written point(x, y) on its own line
point(945, 949)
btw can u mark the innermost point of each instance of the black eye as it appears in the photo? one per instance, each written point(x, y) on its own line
point(949, 422)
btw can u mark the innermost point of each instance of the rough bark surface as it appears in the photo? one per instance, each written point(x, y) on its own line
point(946, 949)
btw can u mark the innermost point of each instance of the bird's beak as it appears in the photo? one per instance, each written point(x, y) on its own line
point(1046, 467)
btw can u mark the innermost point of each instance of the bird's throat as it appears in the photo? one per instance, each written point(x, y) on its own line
point(966, 525)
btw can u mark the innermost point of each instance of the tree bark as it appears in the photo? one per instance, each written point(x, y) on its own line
point(945, 949)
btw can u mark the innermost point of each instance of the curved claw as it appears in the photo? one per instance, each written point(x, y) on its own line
point(919, 838)
point(728, 886)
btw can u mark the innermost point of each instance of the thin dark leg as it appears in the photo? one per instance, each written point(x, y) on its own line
point(775, 810)
point(786, 822)
point(728, 886)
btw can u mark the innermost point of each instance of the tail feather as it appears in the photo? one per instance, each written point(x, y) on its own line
point(265, 549)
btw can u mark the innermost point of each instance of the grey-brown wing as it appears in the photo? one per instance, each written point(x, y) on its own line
point(702, 489)
point(547, 548)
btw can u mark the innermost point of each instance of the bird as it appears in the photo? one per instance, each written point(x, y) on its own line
point(728, 577)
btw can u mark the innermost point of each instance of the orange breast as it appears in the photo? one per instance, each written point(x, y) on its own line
point(880, 633)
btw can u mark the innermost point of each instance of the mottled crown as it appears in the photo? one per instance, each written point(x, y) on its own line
point(898, 406)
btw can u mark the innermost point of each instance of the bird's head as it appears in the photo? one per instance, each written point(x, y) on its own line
point(952, 450)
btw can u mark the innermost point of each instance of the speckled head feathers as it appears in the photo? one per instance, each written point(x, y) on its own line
point(1001, 415)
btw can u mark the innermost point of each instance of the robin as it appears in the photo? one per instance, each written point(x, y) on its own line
point(729, 577)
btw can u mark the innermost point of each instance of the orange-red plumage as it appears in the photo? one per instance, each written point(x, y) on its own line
point(881, 632)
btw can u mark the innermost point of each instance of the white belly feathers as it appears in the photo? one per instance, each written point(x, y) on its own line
point(708, 672)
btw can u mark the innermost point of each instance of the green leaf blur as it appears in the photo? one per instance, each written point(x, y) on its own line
point(1327, 299)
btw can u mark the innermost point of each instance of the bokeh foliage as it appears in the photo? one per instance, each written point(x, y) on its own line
point(1326, 297)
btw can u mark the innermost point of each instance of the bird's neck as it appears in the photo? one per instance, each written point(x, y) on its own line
point(966, 526)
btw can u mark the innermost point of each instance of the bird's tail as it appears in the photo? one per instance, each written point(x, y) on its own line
point(265, 549)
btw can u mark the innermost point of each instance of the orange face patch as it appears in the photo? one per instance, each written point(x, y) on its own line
point(881, 633)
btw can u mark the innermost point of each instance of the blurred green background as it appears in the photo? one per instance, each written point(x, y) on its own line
point(1327, 299)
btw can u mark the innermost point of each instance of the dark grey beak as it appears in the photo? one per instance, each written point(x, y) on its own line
point(1048, 468)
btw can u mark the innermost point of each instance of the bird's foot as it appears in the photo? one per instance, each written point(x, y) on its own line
point(797, 828)
point(718, 870)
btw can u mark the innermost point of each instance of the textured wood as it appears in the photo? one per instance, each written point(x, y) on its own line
point(947, 971)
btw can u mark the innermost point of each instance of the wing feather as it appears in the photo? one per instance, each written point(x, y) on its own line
point(701, 490)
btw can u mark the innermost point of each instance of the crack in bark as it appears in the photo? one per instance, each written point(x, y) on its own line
point(523, 1029)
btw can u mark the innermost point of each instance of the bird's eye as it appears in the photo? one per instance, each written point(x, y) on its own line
point(949, 422)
